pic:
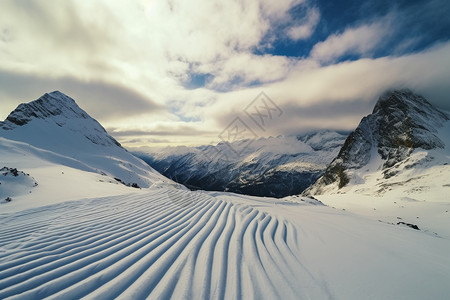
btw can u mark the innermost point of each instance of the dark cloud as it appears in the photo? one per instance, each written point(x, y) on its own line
point(100, 99)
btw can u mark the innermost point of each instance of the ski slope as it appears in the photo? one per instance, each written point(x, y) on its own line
point(169, 243)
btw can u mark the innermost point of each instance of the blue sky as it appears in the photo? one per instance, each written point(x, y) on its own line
point(157, 72)
point(425, 22)
point(415, 26)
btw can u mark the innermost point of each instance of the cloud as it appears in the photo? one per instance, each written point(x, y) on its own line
point(207, 31)
point(36, 30)
point(307, 26)
point(338, 96)
point(361, 40)
point(166, 133)
point(311, 96)
point(162, 130)
point(246, 68)
point(102, 100)
point(184, 70)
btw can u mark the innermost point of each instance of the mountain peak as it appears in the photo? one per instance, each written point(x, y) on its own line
point(57, 110)
point(402, 100)
point(49, 105)
point(401, 122)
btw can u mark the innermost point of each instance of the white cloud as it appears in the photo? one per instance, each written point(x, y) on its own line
point(361, 40)
point(338, 96)
point(150, 46)
point(306, 29)
point(248, 68)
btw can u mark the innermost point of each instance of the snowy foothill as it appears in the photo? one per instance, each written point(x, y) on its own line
point(47, 177)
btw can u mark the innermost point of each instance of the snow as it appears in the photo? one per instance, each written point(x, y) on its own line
point(67, 153)
point(78, 237)
point(14, 182)
point(56, 129)
point(216, 246)
point(59, 178)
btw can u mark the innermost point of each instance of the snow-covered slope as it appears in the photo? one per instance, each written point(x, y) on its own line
point(395, 167)
point(276, 166)
point(198, 245)
point(52, 138)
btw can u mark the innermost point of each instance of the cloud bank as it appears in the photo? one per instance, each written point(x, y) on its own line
point(178, 72)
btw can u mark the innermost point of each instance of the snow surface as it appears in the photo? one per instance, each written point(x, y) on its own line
point(99, 239)
point(196, 245)
point(59, 178)
point(55, 129)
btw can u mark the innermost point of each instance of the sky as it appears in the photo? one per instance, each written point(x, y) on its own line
point(157, 73)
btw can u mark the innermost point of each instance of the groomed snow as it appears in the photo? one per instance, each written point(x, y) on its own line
point(172, 243)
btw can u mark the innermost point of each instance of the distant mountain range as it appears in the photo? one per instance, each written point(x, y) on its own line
point(403, 134)
point(276, 167)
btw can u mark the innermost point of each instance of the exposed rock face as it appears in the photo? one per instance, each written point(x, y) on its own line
point(401, 121)
point(405, 121)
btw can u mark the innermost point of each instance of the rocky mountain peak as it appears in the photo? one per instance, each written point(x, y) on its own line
point(404, 119)
point(398, 99)
point(401, 121)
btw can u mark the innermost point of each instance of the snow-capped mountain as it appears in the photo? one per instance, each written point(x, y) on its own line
point(275, 166)
point(53, 131)
point(52, 109)
point(402, 145)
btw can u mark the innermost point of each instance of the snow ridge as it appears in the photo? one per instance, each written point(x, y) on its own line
point(131, 249)
point(192, 245)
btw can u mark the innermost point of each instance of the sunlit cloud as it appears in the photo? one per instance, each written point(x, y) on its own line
point(360, 41)
point(179, 71)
